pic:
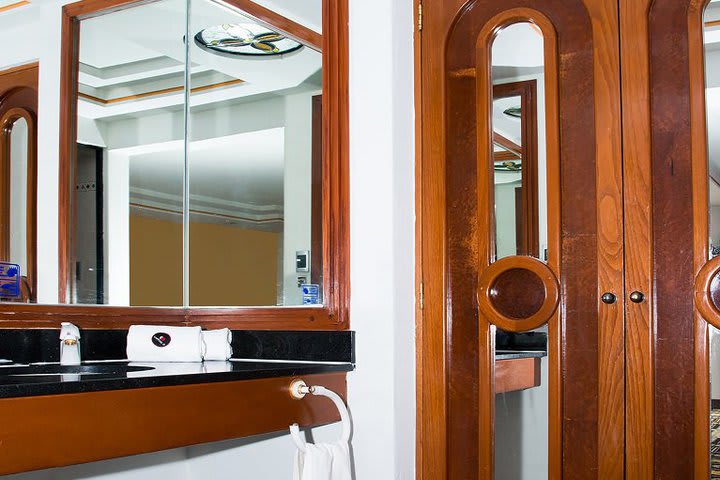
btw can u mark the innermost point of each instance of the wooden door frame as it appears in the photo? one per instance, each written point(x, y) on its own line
point(432, 337)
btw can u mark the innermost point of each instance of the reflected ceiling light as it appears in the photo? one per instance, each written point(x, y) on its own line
point(248, 39)
point(508, 166)
point(515, 112)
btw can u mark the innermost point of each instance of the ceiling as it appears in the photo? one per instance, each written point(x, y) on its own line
point(130, 67)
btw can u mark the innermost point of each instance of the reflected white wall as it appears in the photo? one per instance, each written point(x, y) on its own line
point(298, 190)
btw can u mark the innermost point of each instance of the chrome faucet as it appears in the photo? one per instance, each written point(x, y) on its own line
point(69, 344)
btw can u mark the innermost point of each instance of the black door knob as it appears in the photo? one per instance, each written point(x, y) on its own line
point(637, 297)
point(608, 298)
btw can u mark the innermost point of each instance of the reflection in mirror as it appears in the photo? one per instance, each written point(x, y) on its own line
point(255, 153)
point(712, 95)
point(521, 417)
point(518, 143)
point(130, 159)
point(18, 248)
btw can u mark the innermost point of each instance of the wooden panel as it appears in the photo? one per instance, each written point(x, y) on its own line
point(455, 408)
point(639, 381)
point(675, 229)
point(516, 374)
point(78, 428)
point(93, 317)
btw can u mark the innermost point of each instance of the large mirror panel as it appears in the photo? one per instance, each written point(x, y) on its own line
point(129, 165)
point(191, 155)
point(255, 158)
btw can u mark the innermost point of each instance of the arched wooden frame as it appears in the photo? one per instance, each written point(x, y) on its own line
point(486, 246)
point(29, 283)
point(334, 313)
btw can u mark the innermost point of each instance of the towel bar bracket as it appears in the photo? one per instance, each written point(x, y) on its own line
point(298, 389)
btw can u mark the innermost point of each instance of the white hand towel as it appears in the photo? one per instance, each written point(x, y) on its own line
point(156, 343)
point(324, 461)
point(218, 344)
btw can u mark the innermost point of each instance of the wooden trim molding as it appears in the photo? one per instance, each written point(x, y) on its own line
point(334, 314)
point(13, 6)
point(164, 91)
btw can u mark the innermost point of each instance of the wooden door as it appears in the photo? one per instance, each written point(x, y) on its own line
point(468, 293)
point(670, 161)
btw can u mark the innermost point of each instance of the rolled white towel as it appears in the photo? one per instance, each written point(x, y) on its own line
point(218, 344)
point(156, 343)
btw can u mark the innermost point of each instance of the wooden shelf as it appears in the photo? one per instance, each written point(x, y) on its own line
point(58, 430)
point(516, 374)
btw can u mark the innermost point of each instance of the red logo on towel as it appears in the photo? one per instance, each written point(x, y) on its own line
point(161, 339)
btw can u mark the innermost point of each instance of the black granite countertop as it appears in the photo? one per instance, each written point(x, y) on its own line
point(33, 380)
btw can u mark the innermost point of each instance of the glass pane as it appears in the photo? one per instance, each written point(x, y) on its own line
point(127, 231)
point(519, 142)
point(521, 409)
point(255, 160)
point(18, 247)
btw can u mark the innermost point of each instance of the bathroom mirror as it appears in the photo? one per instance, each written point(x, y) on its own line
point(518, 168)
point(255, 160)
point(205, 196)
point(191, 155)
point(130, 109)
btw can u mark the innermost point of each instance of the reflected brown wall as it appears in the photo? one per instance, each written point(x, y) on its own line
point(228, 265)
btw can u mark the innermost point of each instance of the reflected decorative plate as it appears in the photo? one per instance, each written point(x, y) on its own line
point(245, 39)
point(515, 112)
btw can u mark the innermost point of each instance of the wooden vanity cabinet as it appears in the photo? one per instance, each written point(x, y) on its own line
point(57, 430)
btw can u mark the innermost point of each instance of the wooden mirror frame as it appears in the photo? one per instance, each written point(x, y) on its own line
point(333, 314)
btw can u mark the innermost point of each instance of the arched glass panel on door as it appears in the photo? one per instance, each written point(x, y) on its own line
point(520, 224)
